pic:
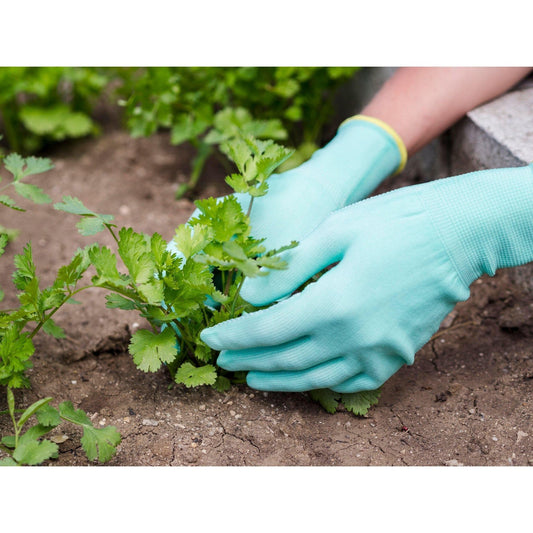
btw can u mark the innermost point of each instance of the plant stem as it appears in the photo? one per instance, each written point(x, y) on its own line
point(250, 206)
point(56, 309)
point(112, 233)
point(228, 281)
point(237, 296)
point(11, 134)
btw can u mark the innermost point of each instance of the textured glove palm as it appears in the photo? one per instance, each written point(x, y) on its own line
point(404, 259)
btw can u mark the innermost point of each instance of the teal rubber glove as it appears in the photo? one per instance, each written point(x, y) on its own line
point(362, 154)
point(403, 258)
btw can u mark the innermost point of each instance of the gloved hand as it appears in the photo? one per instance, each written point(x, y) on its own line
point(361, 155)
point(404, 259)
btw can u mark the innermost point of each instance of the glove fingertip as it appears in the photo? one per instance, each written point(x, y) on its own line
point(210, 337)
point(254, 381)
point(224, 362)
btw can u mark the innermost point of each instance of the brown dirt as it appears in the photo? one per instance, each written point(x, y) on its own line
point(465, 401)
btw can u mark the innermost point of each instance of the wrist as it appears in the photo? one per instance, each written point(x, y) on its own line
point(392, 136)
point(484, 218)
point(362, 154)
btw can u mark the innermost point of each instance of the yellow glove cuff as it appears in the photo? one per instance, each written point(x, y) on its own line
point(391, 132)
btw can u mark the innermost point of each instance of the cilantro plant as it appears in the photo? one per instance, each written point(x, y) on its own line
point(18, 327)
point(39, 105)
point(194, 282)
point(29, 448)
point(209, 105)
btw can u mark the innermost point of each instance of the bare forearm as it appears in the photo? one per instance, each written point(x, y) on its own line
point(421, 103)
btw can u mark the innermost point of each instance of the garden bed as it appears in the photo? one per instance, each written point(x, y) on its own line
point(466, 400)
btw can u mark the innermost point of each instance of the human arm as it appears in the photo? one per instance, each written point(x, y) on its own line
point(420, 103)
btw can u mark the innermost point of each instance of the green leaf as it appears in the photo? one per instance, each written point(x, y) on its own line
point(14, 163)
point(191, 240)
point(48, 416)
point(91, 225)
point(16, 350)
point(202, 352)
point(57, 122)
point(11, 402)
point(8, 461)
point(9, 202)
point(20, 167)
point(224, 218)
point(51, 328)
point(105, 263)
point(238, 183)
point(73, 205)
point(31, 410)
point(77, 124)
point(98, 443)
point(360, 402)
point(134, 249)
point(116, 301)
point(37, 165)
point(235, 251)
point(31, 192)
point(70, 274)
point(192, 376)
point(25, 268)
point(186, 127)
point(150, 350)
point(3, 242)
point(222, 384)
point(326, 398)
point(9, 441)
point(91, 222)
point(33, 452)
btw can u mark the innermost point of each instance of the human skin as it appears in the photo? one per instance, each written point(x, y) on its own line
point(420, 103)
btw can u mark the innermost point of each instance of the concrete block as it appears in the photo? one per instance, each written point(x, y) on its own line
point(496, 134)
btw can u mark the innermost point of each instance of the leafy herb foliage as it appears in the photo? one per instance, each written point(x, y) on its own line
point(39, 105)
point(19, 326)
point(208, 106)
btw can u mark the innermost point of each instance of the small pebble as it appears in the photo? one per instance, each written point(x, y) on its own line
point(453, 462)
point(74, 382)
point(58, 439)
point(124, 210)
point(521, 435)
point(150, 422)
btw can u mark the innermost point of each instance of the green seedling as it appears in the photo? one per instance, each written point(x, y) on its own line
point(18, 327)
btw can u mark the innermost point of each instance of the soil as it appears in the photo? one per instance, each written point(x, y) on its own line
point(465, 401)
